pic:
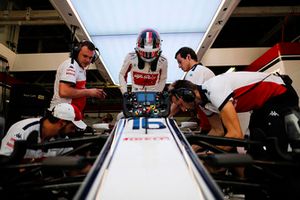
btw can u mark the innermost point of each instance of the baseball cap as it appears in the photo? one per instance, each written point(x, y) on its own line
point(69, 112)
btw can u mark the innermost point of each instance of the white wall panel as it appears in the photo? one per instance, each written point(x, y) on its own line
point(213, 57)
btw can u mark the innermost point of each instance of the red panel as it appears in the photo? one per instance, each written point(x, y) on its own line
point(7, 79)
point(278, 50)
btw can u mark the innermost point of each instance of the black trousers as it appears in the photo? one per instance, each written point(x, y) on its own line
point(267, 124)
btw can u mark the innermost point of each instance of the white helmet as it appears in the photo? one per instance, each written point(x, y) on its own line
point(148, 45)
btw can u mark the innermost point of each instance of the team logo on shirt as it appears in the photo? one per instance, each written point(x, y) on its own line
point(11, 143)
point(144, 79)
point(273, 114)
point(18, 135)
point(70, 71)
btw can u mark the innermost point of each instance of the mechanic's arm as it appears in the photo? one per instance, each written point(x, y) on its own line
point(66, 90)
point(216, 125)
point(231, 122)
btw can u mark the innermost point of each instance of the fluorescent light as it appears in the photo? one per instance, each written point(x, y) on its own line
point(113, 26)
point(115, 17)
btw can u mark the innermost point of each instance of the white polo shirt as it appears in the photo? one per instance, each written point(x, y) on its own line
point(247, 90)
point(73, 74)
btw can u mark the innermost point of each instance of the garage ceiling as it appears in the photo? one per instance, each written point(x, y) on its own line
point(254, 23)
point(114, 28)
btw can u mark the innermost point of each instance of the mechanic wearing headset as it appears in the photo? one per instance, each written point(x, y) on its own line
point(268, 96)
point(70, 80)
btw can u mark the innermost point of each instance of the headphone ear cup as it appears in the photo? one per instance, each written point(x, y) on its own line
point(186, 94)
point(189, 96)
point(95, 57)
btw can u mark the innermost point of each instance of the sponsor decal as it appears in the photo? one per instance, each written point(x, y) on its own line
point(154, 138)
point(273, 114)
point(70, 72)
point(144, 79)
point(11, 143)
point(71, 69)
point(149, 124)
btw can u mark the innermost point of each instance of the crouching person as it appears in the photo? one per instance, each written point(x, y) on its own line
point(62, 120)
point(266, 95)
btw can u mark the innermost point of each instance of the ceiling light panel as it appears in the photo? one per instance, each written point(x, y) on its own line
point(113, 26)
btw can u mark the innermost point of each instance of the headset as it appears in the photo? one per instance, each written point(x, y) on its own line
point(185, 93)
point(76, 49)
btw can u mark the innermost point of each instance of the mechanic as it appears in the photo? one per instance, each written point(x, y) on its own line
point(61, 121)
point(70, 80)
point(268, 96)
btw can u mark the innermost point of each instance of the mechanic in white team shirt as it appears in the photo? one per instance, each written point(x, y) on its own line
point(188, 61)
point(146, 65)
point(70, 80)
point(268, 96)
point(61, 121)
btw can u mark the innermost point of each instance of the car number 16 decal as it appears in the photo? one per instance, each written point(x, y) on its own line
point(147, 123)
